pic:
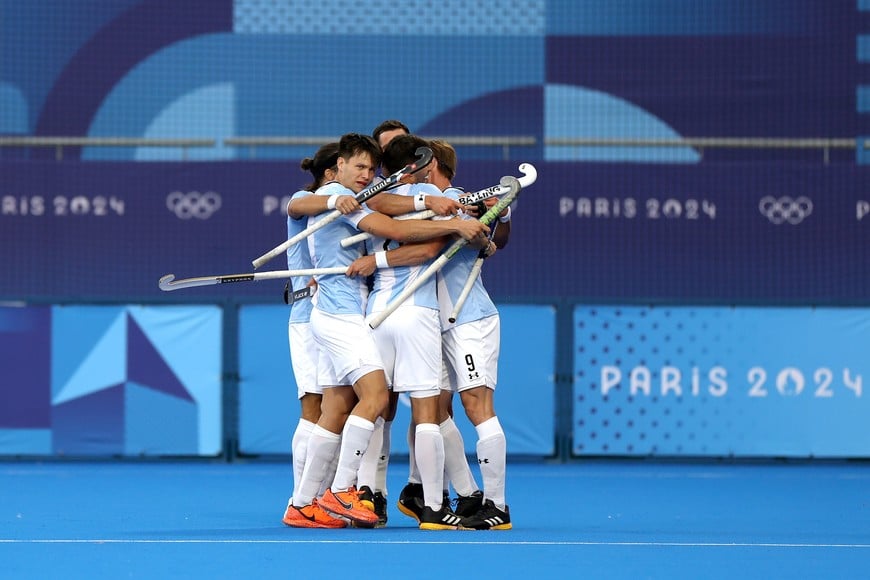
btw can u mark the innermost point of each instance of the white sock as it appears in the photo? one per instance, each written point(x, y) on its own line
point(384, 459)
point(322, 448)
point(455, 463)
point(429, 450)
point(299, 449)
point(413, 471)
point(491, 456)
point(368, 469)
point(330, 473)
point(354, 441)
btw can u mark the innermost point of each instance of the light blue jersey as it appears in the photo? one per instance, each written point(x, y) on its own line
point(337, 293)
point(451, 280)
point(298, 259)
point(390, 282)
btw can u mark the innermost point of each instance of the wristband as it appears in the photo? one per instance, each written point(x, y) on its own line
point(507, 217)
point(420, 201)
point(330, 203)
point(381, 260)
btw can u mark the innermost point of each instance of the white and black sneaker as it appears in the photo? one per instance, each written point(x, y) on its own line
point(489, 517)
point(443, 519)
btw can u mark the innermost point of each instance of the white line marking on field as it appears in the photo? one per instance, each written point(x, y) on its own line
point(431, 542)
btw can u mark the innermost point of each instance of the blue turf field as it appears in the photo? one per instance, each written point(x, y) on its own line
point(591, 519)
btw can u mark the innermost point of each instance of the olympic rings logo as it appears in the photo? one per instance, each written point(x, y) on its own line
point(193, 204)
point(785, 209)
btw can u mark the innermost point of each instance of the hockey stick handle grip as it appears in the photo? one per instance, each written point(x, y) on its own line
point(466, 289)
point(333, 215)
point(424, 157)
point(363, 236)
point(281, 248)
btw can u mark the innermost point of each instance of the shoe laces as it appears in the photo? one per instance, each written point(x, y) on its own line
point(468, 499)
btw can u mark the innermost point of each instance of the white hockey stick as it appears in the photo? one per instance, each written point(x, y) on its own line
point(469, 284)
point(424, 157)
point(514, 188)
point(468, 199)
point(362, 236)
point(168, 282)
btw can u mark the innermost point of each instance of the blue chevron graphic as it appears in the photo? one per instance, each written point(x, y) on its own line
point(146, 367)
point(119, 369)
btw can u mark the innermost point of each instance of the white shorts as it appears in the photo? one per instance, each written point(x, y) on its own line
point(303, 358)
point(471, 354)
point(409, 342)
point(347, 348)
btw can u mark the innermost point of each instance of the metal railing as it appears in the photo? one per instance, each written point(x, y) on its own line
point(825, 145)
point(59, 143)
point(505, 142)
point(701, 143)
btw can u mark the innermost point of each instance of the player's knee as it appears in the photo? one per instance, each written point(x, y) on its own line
point(379, 402)
point(477, 407)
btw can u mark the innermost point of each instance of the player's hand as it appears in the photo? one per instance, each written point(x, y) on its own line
point(362, 266)
point(471, 229)
point(476, 210)
point(346, 204)
point(443, 205)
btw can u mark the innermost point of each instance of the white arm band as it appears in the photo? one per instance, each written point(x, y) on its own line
point(381, 260)
point(330, 203)
point(507, 216)
point(420, 202)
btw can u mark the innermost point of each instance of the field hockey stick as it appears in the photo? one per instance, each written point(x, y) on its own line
point(508, 181)
point(424, 157)
point(468, 199)
point(469, 284)
point(362, 236)
point(168, 282)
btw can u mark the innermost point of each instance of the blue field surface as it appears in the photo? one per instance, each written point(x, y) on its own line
point(589, 519)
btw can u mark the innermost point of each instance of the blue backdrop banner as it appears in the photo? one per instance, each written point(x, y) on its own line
point(110, 381)
point(708, 381)
point(524, 400)
point(719, 233)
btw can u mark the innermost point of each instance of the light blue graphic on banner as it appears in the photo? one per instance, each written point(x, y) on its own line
point(409, 18)
point(524, 400)
point(25, 442)
point(136, 380)
point(268, 403)
point(711, 381)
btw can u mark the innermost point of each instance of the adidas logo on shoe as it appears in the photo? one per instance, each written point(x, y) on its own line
point(443, 519)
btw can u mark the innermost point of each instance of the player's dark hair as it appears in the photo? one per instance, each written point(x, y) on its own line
point(325, 158)
point(388, 125)
point(355, 143)
point(401, 151)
